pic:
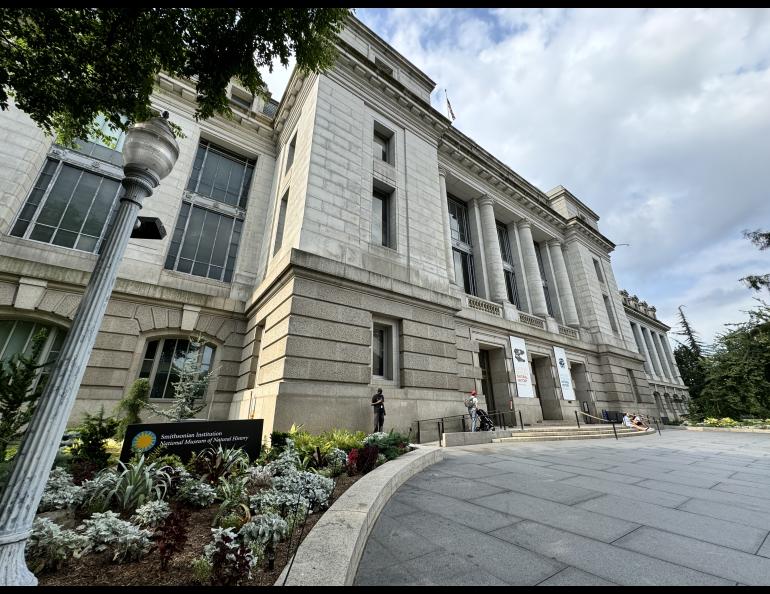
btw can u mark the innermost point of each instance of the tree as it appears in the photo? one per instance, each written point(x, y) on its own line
point(66, 66)
point(190, 386)
point(691, 362)
point(18, 398)
point(132, 404)
point(738, 373)
point(761, 239)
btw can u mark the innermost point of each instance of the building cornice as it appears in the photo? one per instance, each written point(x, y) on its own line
point(559, 190)
point(579, 228)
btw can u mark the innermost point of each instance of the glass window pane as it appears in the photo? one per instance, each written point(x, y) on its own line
point(378, 348)
point(60, 195)
point(86, 243)
point(17, 341)
point(219, 253)
point(377, 220)
point(42, 233)
point(80, 203)
point(192, 237)
point(65, 238)
point(100, 209)
point(208, 236)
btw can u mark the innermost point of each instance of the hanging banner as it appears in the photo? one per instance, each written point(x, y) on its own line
point(521, 368)
point(565, 378)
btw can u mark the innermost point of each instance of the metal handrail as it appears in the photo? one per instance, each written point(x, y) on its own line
point(602, 420)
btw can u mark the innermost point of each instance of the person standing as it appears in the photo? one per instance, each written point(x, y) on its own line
point(378, 410)
point(472, 403)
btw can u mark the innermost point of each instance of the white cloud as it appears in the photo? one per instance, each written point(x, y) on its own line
point(656, 118)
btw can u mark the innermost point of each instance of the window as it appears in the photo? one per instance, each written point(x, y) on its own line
point(205, 243)
point(381, 218)
point(221, 175)
point(243, 102)
point(382, 147)
point(69, 206)
point(608, 306)
point(546, 292)
point(107, 146)
point(384, 358)
point(208, 230)
point(508, 269)
point(462, 248)
point(598, 269)
point(290, 153)
point(281, 222)
point(16, 336)
point(164, 358)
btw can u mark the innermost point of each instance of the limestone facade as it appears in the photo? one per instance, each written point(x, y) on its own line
point(371, 245)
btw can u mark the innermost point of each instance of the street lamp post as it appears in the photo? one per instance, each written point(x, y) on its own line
point(149, 154)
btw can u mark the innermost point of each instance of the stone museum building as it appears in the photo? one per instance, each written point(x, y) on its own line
point(344, 239)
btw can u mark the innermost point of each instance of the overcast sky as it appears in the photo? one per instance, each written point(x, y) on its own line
point(657, 119)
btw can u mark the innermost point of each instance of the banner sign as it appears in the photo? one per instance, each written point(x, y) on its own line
point(521, 368)
point(186, 437)
point(565, 378)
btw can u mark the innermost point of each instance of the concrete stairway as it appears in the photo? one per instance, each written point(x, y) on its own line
point(557, 433)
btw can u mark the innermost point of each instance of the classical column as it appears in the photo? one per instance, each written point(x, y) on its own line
point(653, 353)
point(532, 270)
point(450, 263)
point(671, 359)
point(497, 290)
point(662, 356)
point(479, 253)
point(643, 347)
point(569, 311)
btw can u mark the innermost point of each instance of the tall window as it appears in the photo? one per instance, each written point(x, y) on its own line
point(462, 247)
point(281, 222)
point(383, 350)
point(290, 152)
point(508, 269)
point(221, 175)
point(16, 337)
point(538, 251)
point(634, 387)
point(608, 307)
point(162, 360)
point(208, 230)
point(382, 147)
point(69, 206)
point(381, 218)
point(598, 269)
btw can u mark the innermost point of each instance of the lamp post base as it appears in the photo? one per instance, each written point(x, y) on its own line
point(13, 567)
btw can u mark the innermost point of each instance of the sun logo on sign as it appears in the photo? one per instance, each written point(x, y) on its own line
point(143, 441)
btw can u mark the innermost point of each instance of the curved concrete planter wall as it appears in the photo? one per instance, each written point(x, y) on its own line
point(330, 553)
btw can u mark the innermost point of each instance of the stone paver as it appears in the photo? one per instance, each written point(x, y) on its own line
point(676, 509)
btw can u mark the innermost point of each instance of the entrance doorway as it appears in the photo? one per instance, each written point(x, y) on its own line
point(582, 389)
point(545, 388)
point(494, 378)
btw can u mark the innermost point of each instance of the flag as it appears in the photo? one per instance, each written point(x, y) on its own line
point(449, 107)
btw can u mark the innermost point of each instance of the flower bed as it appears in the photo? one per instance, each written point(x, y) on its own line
point(731, 423)
point(219, 519)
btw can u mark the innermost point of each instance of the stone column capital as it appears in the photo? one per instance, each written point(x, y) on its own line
point(486, 200)
point(553, 243)
point(524, 224)
point(442, 171)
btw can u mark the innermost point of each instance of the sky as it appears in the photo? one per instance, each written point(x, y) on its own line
point(657, 119)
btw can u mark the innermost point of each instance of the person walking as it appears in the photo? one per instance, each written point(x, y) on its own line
point(472, 403)
point(378, 410)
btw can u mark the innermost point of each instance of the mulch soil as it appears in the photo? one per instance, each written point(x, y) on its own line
point(98, 570)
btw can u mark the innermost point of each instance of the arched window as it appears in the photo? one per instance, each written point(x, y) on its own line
point(164, 357)
point(16, 336)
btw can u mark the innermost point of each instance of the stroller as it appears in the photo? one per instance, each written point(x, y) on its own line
point(484, 420)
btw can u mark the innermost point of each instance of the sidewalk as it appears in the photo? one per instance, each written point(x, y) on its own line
point(688, 508)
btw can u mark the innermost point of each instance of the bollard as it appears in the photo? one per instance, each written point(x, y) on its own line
point(614, 430)
point(577, 418)
point(521, 421)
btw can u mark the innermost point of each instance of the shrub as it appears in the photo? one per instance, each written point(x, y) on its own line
point(171, 535)
point(259, 478)
point(362, 460)
point(312, 488)
point(194, 492)
point(230, 559)
point(96, 491)
point(278, 440)
point(132, 404)
point(287, 462)
point(151, 514)
point(107, 531)
point(235, 500)
point(202, 570)
point(212, 464)
point(264, 533)
point(391, 445)
point(50, 545)
point(136, 484)
point(283, 503)
point(89, 453)
point(60, 492)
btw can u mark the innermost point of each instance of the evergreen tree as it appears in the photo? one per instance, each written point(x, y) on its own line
point(761, 239)
point(190, 387)
point(17, 397)
point(132, 404)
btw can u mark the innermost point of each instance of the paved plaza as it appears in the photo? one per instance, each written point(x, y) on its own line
point(684, 508)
